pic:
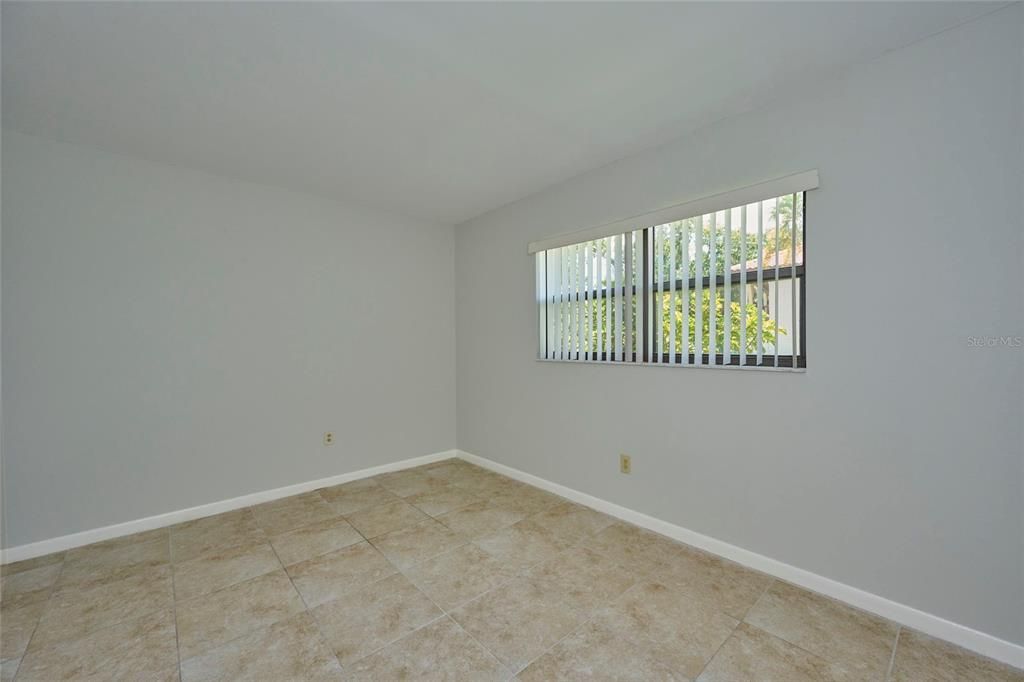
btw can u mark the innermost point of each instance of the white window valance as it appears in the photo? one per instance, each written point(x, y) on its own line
point(790, 184)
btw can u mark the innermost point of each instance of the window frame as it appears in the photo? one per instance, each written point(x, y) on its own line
point(649, 288)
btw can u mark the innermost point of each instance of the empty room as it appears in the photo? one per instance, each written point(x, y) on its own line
point(512, 341)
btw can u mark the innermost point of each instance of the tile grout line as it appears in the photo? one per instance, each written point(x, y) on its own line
point(586, 620)
point(54, 593)
point(384, 646)
point(174, 604)
point(398, 571)
point(736, 627)
point(643, 578)
point(306, 609)
point(892, 657)
point(291, 581)
point(230, 545)
point(800, 646)
point(720, 647)
point(342, 516)
point(569, 634)
point(522, 574)
point(652, 576)
point(49, 599)
point(480, 644)
point(282, 567)
point(445, 613)
point(768, 586)
point(593, 616)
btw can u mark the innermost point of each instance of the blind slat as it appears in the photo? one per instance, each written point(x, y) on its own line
point(548, 304)
point(588, 302)
point(727, 308)
point(562, 326)
point(760, 281)
point(775, 284)
point(542, 289)
point(639, 272)
point(743, 285)
point(579, 303)
point(686, 292)
point(792, 284)
point(609, 301)
point(659, 274)
point(713, 293)
point(599, 298)
point(571, 289)
point(620, 311)
point(673, 276)
point(698, 303)
point(627, 293)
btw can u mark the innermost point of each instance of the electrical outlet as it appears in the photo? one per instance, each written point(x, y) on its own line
point(329, 438)
point(625, 464)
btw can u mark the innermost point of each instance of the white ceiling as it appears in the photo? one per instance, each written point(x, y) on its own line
point(440, 111)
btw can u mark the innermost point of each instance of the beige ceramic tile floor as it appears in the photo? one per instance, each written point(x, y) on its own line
point(445, 572)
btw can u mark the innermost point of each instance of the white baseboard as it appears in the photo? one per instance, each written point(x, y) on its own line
point(87, 537)
point(984, 644)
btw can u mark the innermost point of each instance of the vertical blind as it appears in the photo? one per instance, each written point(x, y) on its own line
point(722, 289)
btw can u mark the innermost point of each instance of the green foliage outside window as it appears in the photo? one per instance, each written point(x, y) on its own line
point(739, 316)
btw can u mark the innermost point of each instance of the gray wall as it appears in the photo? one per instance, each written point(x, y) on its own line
point(895, 463)
point(173, 338)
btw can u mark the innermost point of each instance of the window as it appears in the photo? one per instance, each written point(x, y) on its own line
point(725, 288)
